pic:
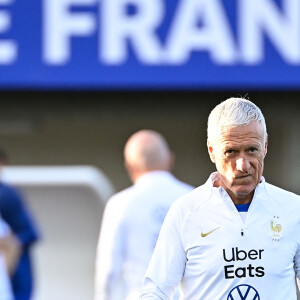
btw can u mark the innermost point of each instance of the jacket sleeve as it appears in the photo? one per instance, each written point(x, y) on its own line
point(167, 264)
point(297, 264)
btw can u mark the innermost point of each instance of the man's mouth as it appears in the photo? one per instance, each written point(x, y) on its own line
point(243, 176)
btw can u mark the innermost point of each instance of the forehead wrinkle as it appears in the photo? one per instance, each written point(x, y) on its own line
point(241, 133)
point(241, 140)
point(236, 145)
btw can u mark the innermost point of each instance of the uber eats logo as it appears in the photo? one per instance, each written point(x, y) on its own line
point(235, 255)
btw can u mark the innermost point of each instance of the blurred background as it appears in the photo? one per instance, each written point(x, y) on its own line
point(91, 128)
point(78, 78)
point(84, 130)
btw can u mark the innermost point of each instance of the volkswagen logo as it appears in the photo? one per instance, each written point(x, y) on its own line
point(243, 292)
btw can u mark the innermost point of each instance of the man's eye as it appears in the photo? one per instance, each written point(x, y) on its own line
point(253, 149)
point(229, 152)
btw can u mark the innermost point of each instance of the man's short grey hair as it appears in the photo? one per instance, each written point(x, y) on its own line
point(234, 112)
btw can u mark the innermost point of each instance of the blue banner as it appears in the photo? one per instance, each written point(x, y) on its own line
point(150, 44)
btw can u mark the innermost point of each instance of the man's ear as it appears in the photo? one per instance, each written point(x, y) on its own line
point(130, 171)
point(266, 147)
point(171, 161)
point(211, 151)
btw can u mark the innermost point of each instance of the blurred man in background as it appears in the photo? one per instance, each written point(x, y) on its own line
point(24, 233)
point(133, 217)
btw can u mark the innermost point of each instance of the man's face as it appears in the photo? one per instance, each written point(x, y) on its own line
point(239, 154)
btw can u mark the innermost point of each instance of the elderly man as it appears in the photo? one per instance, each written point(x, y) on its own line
point(235, 237)
point(133, 217)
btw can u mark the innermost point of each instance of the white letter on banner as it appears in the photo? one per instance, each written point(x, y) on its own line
point(60, 24)
point(264, 17)
point(119, 28)
point(8, 48)
point(214, 35)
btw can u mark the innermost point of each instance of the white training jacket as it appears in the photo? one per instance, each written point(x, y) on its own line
point(206, 248)
point(130, 227)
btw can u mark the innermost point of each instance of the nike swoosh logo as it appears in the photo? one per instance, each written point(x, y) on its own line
point(207, 233)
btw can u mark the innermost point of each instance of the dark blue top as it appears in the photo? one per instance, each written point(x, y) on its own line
point(16, 215)
point(242, 207)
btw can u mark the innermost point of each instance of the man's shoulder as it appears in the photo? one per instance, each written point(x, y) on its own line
point(5, 186)
point(8, 190)
point(177, 189)
point(184, 186)
point(281, 194)
point(122, 195)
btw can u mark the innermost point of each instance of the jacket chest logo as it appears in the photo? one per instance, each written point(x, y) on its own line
point(276, 228)
point(204, 234)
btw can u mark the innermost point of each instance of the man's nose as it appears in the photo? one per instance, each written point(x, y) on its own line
point(242, 164)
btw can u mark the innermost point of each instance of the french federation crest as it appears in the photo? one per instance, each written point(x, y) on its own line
point(276, 228)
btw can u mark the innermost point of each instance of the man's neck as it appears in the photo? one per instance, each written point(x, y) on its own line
point(240, 199)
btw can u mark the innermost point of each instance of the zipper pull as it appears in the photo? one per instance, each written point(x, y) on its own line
point(242, 232)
